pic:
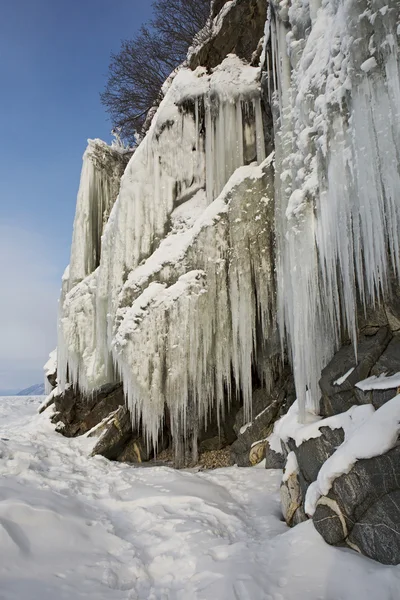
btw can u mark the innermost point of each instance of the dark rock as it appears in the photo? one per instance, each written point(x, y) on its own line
point(56, 418)
point(239, 33)
point(329, 522)
point(362, 508)
point(261, 398)
point(389, 361)
point(377, 533)
point(339, 398)
point(272, 405)
point(312, 453)
point(80, 413)
point(226, 433)
point(117, 442)
point(389, 364)
point(273, 460)
point(260, 429)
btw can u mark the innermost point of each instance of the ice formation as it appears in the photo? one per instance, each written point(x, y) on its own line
point(337, 136)
point(189, 316)
point(208, 125)
point(102, 170)
point(50, 370)
point(175, 286)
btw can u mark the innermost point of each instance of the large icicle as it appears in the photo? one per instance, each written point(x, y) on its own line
point(338, 183)
point(207, 126)
point(102, 170)
point(189, 315)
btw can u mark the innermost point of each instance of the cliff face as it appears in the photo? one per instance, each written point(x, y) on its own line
point(256, 227)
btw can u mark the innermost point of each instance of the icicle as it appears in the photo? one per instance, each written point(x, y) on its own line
point(176, 330)
point(186, 149)
point(102, 169)
point(337, 183)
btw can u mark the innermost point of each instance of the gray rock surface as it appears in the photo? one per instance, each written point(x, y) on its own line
point(363, 508)
point(273, 460)
point(238, 33)
point(272, 405)
point(312, 453)
point(118, 442)
point(80, 413)
point(339, 398)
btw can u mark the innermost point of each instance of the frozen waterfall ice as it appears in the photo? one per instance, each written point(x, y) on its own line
point(208, 125)
point(337, 137)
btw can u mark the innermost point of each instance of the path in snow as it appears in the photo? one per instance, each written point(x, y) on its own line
point(72, 527)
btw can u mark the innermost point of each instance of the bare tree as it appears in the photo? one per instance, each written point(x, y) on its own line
point(138, 71)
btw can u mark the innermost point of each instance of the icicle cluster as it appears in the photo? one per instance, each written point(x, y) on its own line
point(190, 314)
point(207, 126)
point(102, 170)
point(335, 72)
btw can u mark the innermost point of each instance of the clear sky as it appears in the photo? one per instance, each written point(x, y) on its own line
point(54, 57)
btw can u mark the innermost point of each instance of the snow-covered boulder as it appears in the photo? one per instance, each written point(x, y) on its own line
point(362, 509)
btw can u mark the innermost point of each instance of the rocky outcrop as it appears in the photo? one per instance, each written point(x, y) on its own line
point(236, 30)
point(338, 395)
point(79, 414)
point(118, 442)
point(362, 509)
point(267, 407)
point(273, 459)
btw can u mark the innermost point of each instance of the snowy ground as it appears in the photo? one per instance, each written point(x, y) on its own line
point(73, 527)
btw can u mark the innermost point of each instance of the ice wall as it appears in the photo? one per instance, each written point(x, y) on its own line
point(101, 174)
point(193, 313)
point(336, 103)
point(207, 126)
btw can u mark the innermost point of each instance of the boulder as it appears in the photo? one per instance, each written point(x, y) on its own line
point(257, 452)
point(273, 460)
point(292, 501)
point(261, 398)
point(312, 453)
point(80, 413)
point(118, 442)
point(362, 508)
point(339, 396)
point(267, 408)
point(258, 430)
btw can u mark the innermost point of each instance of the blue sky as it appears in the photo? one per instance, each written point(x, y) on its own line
point(54, 57)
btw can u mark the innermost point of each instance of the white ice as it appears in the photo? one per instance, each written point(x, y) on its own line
point(336, 115)
point(343, 378)
point(382, 382)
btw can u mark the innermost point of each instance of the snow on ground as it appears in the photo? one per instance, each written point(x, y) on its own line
point(72, 527)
